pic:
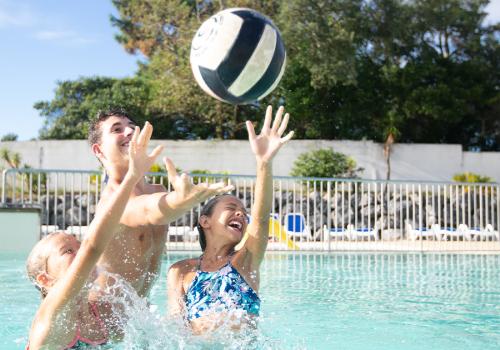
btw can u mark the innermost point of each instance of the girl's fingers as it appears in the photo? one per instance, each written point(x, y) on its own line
point(287, 138)
point(277, 119)
point(250, 130)
point(145, 134)
point(135, 135)
point(267, 120)
point(284, 124)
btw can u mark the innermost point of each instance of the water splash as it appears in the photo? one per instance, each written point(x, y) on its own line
point(145, 327)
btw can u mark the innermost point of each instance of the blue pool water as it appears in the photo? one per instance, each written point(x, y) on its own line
point(323, 301)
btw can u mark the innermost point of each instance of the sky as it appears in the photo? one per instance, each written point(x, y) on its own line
point(43, 42)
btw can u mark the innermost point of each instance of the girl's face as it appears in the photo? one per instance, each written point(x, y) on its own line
point(228, 221)
point(63, 249)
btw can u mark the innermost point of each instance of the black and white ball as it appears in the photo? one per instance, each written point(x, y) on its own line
point(237, 56)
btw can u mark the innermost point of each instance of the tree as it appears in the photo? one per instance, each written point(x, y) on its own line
point(13, 159)
point(9, 137)
point(75, 102)
point(162, 31)
point(429, 69)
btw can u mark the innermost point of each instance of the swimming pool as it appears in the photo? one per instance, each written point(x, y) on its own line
point(324, 301)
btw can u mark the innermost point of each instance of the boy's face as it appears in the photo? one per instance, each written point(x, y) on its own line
point(116, 133)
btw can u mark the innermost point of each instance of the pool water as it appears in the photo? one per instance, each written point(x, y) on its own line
point(322, 301)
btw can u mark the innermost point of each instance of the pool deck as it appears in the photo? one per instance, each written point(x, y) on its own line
point(492, 247)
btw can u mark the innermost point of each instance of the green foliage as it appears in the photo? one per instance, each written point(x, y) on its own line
point(471, 177)
point(75, 102)
point(159, 179)
point(197, 176)
point(34, 179)
point(424, 71)
point(9, 137)
point(30, 179)
point(325, 163)
point(13, 159)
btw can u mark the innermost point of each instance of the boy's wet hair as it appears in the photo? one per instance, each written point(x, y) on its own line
point(95, 132)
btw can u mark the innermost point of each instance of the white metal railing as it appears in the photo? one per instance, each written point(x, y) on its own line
point(308, 213)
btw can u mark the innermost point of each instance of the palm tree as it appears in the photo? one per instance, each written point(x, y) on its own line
point(11, 158)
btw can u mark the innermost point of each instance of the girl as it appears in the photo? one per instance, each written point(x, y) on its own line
point(60, 267)
point(224, 282)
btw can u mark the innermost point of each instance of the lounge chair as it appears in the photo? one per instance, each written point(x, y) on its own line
point(461, 232)
point(421, 232)
point(337, 233)
point(46, 229)
point(178, 233)
point(193, 235)
point(296, 227)
point(79, 231)
point(363, 232)
point(487, 234)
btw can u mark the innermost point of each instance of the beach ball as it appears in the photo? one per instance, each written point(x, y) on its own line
point(237, 56)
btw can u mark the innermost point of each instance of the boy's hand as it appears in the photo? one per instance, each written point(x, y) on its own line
point(188, 193)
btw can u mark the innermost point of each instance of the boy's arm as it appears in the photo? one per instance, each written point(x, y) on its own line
point(161, 208)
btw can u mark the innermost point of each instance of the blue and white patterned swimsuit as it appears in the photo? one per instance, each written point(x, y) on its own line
point(220, 291)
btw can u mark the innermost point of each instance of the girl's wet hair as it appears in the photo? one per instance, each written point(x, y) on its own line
point(37, 261)
point(207, 210)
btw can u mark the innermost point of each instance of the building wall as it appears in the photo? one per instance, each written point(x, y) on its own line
point(423, 162)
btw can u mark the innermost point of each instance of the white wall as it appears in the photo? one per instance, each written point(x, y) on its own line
point(424, 162)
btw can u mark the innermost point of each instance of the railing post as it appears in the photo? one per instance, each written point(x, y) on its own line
point(4, 183)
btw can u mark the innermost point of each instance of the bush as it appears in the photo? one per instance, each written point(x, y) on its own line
point(198, 177)
point(9, 137)
point(471, 177)
point(325, 163)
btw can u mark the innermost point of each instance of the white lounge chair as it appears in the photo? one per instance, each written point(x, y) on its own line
point(179, 233)
point(363, 232)
point(79, 231)
point(461, 232)
point(193, 235)
point(421, 232)
point(46, 229)
point(489, 233)
point(337, 233)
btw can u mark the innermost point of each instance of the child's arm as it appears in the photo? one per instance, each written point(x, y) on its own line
point(175, 293)
point(264, 146)
point(101, 231)
point(161, 208)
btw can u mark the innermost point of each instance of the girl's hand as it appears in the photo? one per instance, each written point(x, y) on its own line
point(269, 141)
point(139, 161)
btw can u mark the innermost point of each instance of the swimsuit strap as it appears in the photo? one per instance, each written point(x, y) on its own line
point(95, 312)
point(78, 337)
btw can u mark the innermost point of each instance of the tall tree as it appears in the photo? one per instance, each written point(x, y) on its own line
point(429, 69)
point(162, 31)
point(75, 102)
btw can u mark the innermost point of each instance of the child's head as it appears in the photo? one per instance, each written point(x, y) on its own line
point(224, 219)
point(50, 258)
